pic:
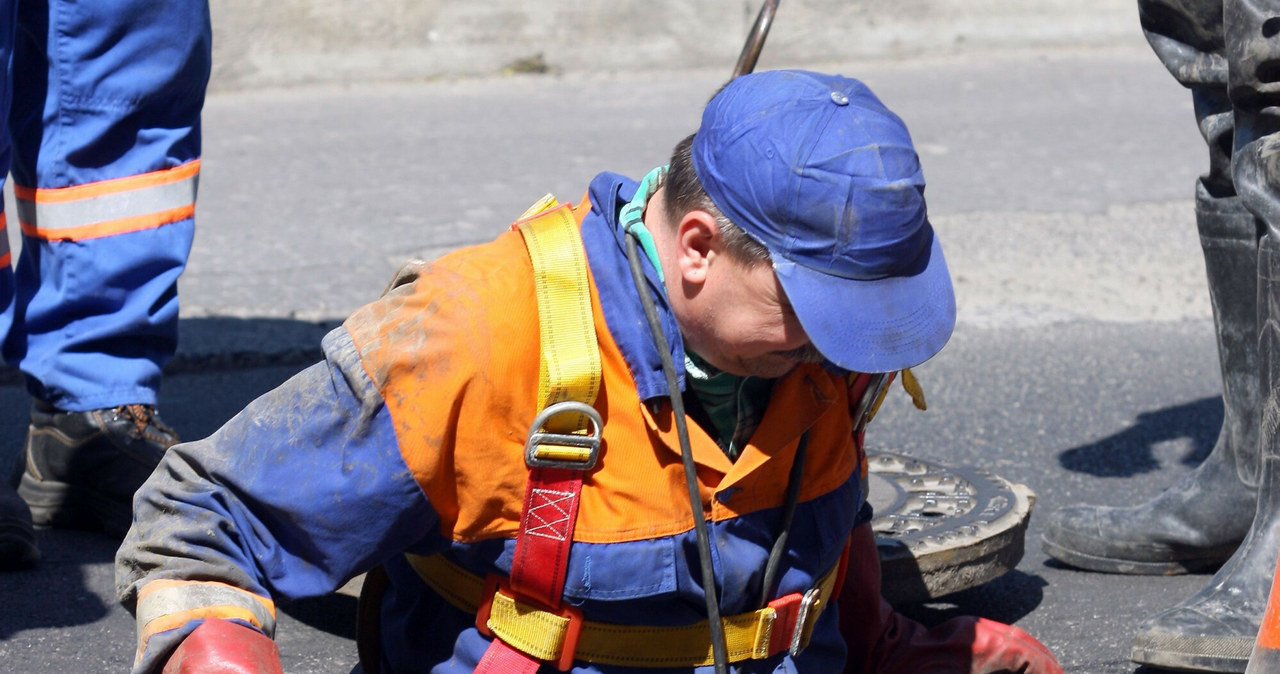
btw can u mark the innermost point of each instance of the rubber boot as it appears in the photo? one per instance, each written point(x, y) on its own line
point(1214, 629)
point(1199, 521)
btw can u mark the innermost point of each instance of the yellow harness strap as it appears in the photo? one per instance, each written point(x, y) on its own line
point(565, 435)
point(570, 368)
point(542, 634)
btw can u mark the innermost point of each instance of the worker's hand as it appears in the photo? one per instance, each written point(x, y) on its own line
point(223, 647)
point(999, 648)
point(883, 641)
point(964, 645)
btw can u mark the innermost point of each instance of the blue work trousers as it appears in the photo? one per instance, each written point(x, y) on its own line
point(102, 103)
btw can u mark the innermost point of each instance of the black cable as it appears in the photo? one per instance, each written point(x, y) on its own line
point(719, 651)
point(788, 514)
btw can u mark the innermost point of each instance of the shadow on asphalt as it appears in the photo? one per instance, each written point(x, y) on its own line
point(1006, 599)
point(226, 343)
point(1131, 451)
point(64, 589)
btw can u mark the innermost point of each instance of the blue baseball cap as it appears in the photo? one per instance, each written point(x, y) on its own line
point(818, 170)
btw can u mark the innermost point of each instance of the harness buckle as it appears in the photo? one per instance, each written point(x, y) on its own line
point(564, 450)
point(495, 585)
point(805, 618)
point(492, 584)
point(571, 635)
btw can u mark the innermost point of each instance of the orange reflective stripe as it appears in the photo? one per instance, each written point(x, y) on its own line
point(112, 186)
point(109, 207)
point(165, 604)
point(177, 620)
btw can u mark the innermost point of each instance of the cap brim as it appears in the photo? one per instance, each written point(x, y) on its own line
point(881, 325)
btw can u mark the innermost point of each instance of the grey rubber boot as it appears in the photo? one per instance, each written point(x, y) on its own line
point(1215, 628)
point(1199, 521)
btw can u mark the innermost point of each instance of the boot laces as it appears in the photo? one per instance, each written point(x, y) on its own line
point(143, 416)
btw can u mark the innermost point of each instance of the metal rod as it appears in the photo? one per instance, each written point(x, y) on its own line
point(755, 40)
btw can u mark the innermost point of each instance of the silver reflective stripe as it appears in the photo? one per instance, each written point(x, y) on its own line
point(103, 208)
point(190, 596)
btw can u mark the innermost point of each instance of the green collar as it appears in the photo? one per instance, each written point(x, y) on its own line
point(632, 216)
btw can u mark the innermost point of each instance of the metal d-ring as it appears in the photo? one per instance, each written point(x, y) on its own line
point(590, 441)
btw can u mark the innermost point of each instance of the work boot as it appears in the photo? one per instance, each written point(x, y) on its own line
point(1198, 522)
point(1215, 628)
point(82, 468)
point(17, 540)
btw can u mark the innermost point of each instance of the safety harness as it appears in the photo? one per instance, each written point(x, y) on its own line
point(525, 614)
point(784, 625)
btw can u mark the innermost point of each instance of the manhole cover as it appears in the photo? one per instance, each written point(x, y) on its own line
point(942, 529)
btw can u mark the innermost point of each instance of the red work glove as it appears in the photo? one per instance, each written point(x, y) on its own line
point(985, 646)
point(998, 647)
point(882, 641)
point(223, 647)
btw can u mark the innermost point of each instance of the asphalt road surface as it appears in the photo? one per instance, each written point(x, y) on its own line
point(1083, 365)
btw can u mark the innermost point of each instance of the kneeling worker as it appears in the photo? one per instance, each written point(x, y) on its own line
point(621, 438)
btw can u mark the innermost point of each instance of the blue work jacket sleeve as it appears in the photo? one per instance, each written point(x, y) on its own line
point(301, 491)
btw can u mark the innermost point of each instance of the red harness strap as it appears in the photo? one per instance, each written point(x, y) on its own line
point(500, 658)
point(546, 532)
point(541, 560)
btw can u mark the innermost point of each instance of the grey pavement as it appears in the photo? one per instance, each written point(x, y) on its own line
point(1047, 169)
point(271, 43)
point(1060, 181)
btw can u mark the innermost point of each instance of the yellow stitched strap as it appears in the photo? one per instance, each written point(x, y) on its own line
point(541, 634)
point(570, 367)
point(536, 633)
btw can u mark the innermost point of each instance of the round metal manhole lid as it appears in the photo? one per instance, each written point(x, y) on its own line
point(941, 529)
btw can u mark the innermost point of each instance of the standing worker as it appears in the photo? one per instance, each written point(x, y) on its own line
point(102, 136)
point(626, 436)
point(1227, 511)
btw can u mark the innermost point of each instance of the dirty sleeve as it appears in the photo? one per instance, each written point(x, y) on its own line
point(303, 490)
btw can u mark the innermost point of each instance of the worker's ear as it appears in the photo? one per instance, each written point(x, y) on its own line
point(698, 243)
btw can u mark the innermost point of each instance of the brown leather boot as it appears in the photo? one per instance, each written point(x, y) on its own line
point(82, 468)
